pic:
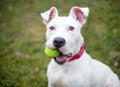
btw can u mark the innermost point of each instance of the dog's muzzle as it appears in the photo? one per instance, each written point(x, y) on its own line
point(59, 42)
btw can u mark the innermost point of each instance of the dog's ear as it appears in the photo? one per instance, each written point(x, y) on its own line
point(49, 15)
point(79, 14)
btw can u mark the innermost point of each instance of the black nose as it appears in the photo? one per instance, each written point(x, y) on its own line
point(59, 42)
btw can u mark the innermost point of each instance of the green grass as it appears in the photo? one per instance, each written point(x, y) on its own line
point(22, 37)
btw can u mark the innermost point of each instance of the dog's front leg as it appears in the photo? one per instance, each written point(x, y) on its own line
point(50, 85)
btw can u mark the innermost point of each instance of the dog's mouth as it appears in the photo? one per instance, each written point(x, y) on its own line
point(63, 58)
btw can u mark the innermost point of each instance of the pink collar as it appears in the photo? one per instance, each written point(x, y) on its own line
point(77, 56)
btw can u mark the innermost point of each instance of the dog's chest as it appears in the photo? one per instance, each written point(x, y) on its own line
point(68, 80)
point(68, 77)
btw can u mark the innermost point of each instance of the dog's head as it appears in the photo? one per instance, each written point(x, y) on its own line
point(63, 33)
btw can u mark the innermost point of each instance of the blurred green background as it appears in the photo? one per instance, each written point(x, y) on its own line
point(22, 37)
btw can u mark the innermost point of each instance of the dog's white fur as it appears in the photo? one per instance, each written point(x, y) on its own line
point(83, 72)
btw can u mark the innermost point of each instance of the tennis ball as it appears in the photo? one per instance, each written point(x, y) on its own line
point(51, 53)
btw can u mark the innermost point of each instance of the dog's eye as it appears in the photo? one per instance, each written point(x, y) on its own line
point(52, 28)
point(71, 28)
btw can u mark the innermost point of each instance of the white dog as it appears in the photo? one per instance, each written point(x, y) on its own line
point(74, 67)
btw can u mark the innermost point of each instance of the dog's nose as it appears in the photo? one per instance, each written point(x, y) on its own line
point(59, 42)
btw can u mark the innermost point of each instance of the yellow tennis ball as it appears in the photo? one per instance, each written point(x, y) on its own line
point(51, 53)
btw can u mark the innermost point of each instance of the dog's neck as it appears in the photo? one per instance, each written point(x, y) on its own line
point(79, 54)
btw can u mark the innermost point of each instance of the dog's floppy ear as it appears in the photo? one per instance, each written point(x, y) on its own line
point(49, 15)
point(79, 14)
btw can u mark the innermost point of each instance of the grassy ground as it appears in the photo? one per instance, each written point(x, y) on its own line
point(22, 36)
